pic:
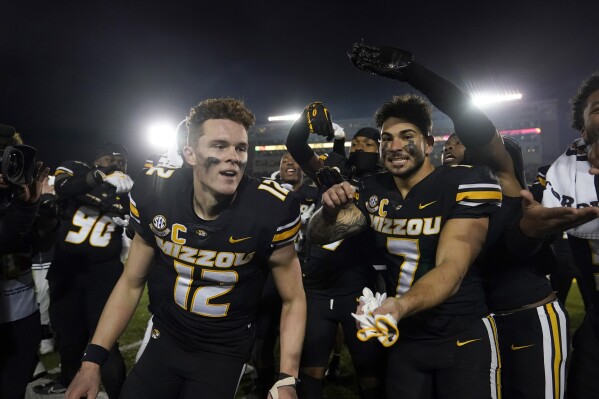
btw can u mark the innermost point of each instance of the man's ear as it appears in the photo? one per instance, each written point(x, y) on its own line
point(430, 142)
point(189, 155)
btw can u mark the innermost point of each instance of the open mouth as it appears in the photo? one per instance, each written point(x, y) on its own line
point(229, 173)
point(448, 157)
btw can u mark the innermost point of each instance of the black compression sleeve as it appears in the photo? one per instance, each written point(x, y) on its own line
point(71, 186)
point(472, 126)
point(339, 147)
point(297, 145)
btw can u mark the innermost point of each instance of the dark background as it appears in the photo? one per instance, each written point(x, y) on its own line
point(75, 74)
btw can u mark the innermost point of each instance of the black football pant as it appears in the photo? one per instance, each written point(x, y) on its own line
point(533, 344)
point(462, 366)
point(166, 371)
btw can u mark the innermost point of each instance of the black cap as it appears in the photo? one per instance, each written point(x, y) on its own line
point(111, 149)
point(370, 133)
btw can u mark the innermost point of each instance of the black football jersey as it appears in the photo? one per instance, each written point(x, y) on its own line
point(408, 231)
point(511, 281)
point(307, 195)
point(215, 269)
point(87, 230)
point(342, 267)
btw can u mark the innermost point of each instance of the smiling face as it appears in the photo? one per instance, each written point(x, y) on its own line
point(404, 149)
point(290, 171)
point(453, 151)
point(219, 156)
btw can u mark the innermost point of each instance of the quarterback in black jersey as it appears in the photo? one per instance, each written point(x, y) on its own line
point(431, 224)
point(214, 233)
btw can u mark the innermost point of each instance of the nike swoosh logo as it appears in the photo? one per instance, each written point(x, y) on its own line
point(515, 348)
point(462, 343)
point(422, 206)
point(236, 240)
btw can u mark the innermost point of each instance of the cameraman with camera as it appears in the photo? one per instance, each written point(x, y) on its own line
point(21, 179)
point(87, 260)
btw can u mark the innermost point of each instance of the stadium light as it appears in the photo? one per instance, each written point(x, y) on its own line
point(162, 134)
point(481, 100)
point(290, 117)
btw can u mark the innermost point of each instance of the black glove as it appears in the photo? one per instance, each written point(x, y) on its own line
point(315, 119)
point(327, 177)
point(389, 62)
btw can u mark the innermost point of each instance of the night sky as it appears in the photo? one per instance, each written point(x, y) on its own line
point(75, 74)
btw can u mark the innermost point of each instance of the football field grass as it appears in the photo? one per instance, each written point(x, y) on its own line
point(343, 387)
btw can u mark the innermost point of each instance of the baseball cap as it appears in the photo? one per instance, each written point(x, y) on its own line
point(111, 149)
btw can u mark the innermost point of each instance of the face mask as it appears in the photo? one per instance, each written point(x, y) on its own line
point(364, 161)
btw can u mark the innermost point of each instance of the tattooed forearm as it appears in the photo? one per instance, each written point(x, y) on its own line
point(324, 230)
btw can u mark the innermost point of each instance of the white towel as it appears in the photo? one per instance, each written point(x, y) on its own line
point(569, 183)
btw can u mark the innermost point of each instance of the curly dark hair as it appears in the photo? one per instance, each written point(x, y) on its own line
point(410, 107)
point(579, 101)
point(217, 108)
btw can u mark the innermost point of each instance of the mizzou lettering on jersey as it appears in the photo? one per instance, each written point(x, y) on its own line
point(203, 257)
point(409, 227)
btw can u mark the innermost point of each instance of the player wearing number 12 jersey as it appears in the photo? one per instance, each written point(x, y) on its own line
point(431, 224)
point(213, 233)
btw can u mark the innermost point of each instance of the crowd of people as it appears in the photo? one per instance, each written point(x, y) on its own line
point(435, 278)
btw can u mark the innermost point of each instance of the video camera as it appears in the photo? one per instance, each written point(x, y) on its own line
point(17, 162)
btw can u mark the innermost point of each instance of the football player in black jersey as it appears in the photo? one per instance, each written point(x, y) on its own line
point(214, 234)
point(335, 274)
point(431, 224)
point(87, 260)
point(532, 325)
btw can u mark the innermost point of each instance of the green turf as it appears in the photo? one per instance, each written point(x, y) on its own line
point(345, 385)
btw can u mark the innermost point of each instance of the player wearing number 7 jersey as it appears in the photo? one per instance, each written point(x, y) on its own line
point(87, 261)
point(431, 224)
point(213, 233)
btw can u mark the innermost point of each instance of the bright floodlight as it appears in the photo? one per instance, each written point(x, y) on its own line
point(162, 135)
point(290, 117)
point(481, 100)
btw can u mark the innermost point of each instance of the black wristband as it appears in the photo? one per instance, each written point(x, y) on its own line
point(95, 354)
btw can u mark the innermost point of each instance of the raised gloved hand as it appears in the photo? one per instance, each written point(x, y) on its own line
point(389, 62)
point(382, 327)
point(118, 179)
point(315, 119)
point(327, 177)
